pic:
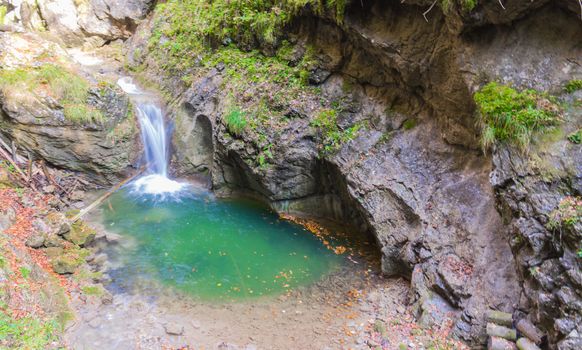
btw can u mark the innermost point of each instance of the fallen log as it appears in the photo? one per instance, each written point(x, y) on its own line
point(527, 328)
point(494, 330)
point(500, 318)
point(496, 343)
point(526, 344)
point(105, 196)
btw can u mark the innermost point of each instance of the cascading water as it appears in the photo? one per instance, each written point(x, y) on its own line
point(155, 141)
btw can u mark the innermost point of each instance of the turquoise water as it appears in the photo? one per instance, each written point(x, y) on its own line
point(211, 248)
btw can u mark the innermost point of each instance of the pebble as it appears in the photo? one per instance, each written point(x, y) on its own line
point(174, 329)
point(95, 322)
point(107, 298)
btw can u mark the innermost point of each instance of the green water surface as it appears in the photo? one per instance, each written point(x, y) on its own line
point(211, 248)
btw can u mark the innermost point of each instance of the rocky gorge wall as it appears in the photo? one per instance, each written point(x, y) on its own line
point(414, 177)
point(468, 229)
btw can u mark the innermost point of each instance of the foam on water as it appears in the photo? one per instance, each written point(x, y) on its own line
point(156, 184)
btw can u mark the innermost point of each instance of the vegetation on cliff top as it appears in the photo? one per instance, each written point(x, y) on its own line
point(507, 115)
point(68, 88)
point(202, 22)
point(196, 36)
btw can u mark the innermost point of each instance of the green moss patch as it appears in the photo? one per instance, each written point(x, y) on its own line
point(508, 115)
point(93, 290)
point(576, 137)
point(3, 11)
point(80, 234)
point(69, 260)
point(573, 85)
point(68, 88)
point(332, 135)
point(235, 121)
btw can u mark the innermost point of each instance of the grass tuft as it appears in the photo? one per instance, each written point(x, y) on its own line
point(332, 136)
point(573, 86)
point(3, 11)
point(235, 121)
point(507, 115)
point(70, 89)
point(576, 137)
point(27, 332)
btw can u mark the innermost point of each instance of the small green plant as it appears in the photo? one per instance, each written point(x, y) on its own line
point(24, 272)
point(465, 5)
point(332, 136)
point(92, 290)
point(265, 155)
point(19, 191)
point(27, 332)
point(507, 115)
point(409, 124)
point(573, 85)
point(568, 213)
point(8, 166)
point(576, 137)
point(3, 11)
point(235, 121)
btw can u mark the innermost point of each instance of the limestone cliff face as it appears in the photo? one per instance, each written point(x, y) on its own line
point(77, 22)
point(35, 117)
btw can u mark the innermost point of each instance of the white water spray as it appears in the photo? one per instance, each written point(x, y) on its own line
point(154, 138)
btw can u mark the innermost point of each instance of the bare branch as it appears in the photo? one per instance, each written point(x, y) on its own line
point(430, 8)
point(503, 7)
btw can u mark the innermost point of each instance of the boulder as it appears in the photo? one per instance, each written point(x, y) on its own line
point(35, 241)
point(68, 261)
point(80, 234)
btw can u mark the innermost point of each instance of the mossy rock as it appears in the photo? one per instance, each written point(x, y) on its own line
point(53, 240)
point(80, 234)
point(93, 290)
point(69, 261)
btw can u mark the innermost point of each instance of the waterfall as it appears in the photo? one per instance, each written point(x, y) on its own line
point(155, 142)
point(153, 133)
